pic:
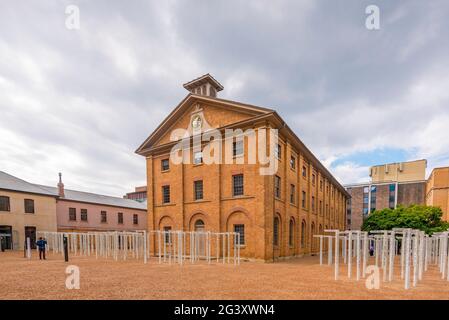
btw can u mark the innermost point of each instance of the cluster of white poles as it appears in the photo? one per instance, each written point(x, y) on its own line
point(166, 246)
point(415, 249)
point(99, 244)
point(192, 246)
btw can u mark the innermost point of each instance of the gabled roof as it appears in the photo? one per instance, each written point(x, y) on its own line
point(256, 111)
point(9, 182)
point(186, 103)
point(80, 196)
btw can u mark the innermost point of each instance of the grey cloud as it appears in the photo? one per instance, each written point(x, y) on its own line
point(95, 94)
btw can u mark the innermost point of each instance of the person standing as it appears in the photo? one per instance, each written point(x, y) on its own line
point(41, 244)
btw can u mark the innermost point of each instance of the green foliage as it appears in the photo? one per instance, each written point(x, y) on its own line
point(427, 219)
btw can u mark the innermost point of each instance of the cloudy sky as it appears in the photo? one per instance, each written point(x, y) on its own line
point(82, 100)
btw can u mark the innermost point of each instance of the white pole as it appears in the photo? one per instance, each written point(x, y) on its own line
point(337, 249)
point(28, 248)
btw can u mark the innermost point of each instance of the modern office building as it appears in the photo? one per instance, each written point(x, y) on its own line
point(391, 185)
point(276, 214)
point(139, 194)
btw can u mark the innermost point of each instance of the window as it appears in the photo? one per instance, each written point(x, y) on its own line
point(392, 196)
point(135, 218)
point(277, 151)
point(237, 148)
point(291, 233)
point(304, 171)
point(29, 205)
point(4, 204)
point(104, 217)
point(321, 208)
point(165, 164)
point(237, 185)
point(373, 198)
point(198, 158)
point(313, 204)
point(276, 231)
point(303, 201)
point(72, 214)
point(167, 235)
point(277, 187)
point(120, 218)
point(292, 194)
point(321, 185)
point(327, 210)
point(313, 178)
point(198, 187)
point(166, 194)
point(292, 162)
point(240, 229)
point(83, 214)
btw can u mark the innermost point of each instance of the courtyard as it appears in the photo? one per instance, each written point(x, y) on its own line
point(300, 278)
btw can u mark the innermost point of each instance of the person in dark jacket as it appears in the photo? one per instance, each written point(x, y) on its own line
point(41, 244)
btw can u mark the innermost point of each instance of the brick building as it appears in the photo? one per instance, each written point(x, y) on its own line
point(276, 215)
point(437, 192)
point(27, 208)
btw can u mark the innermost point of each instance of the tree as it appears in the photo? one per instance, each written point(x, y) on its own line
point(425, 218)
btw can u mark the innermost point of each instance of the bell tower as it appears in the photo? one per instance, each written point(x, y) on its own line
point(205, 85)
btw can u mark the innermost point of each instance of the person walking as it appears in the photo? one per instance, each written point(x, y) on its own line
point(41, 244)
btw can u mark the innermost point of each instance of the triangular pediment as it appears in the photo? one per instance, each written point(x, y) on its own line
point(201, 112)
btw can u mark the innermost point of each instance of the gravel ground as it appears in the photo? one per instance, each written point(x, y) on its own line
point(300, 278)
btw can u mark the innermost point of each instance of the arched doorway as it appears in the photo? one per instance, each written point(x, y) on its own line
point(200, 238)
point(312, 238)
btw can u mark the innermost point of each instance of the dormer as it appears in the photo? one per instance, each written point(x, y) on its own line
point(205, 85)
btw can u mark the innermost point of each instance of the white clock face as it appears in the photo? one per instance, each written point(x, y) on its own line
point(196, 122)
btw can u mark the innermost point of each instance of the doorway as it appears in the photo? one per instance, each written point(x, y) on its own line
point(30, 232)
point(6, 237)
point(201, 238)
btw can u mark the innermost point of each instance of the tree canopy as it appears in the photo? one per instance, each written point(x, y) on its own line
point(425, 218)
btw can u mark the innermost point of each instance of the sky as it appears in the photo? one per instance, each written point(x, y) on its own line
point(80, 101)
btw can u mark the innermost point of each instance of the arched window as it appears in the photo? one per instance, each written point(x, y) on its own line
point(276, 231)
point(291, 233)
point(199, 225)
point(320, 229)
point(303, 234)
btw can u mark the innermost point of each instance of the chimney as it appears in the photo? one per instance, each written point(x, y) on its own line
point(205, 85)
point(60, 186)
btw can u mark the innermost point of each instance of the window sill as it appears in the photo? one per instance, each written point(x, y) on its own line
point(165, 205)
point(165, 171)
point(237, 198)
